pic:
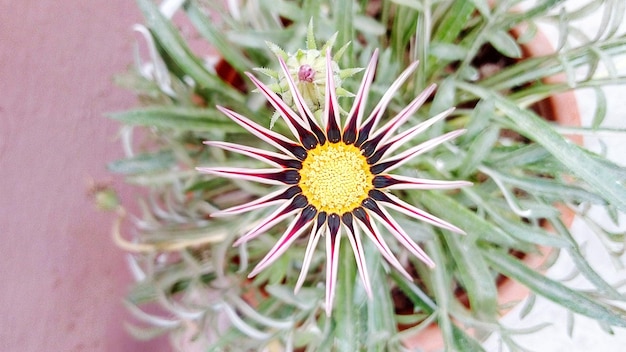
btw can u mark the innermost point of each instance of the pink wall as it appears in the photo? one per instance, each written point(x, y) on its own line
point(61, 278)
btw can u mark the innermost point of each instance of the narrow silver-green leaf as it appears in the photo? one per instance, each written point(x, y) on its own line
point(216, 38)
point(583, 264)
point(143, 163)
point(600, 111)
point(179, 118)
point(475, 276)
point(606, 181)
point(552, 290)
point(414, 4)
point(479, 150)
point(516, 228)
point(505, 44)
point(547, 188)
point(171, 41)
point(459, 215)
point(447, 51)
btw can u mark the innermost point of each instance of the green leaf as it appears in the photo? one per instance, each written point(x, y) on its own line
point(482, 6)
point(217, 39)
point(600, 111)
point(343, 19)
point(459, 215)
point(605, 180)
point(453, 22)
point(444, 97)
point(448, 31)
point(474, 273)
point(479, 150)
point(465, 343)
point(441, 283)
point(170, 40)
point(143, 163)
point(583, 264)
point(179, 118)
point(548, 188)
point(447, 51)
point(368, 25)
point(515, 227)
point(552, 290)
point(414, 4)
point(505, 44)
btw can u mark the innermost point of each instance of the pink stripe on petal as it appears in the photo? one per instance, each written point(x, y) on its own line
point(414, 212)
point(353, 122)
point(281, 195)
point(372, 232)
point(357, 248)
point(267, 176)
point(314, 238)
point(296, 124)
point(333, 242)
point(331, 110)
point(291, 234)
point(370, 123)
point(398, 232)
point(402, 138)
point(306, 115)
point(303, 109)
point(277, 216)
point(277, 140)
point(404, 115)
point(387, 165)
point(404, 182)
point(271, 158)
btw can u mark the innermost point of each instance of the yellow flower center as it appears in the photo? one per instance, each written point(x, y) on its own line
point(335, 177)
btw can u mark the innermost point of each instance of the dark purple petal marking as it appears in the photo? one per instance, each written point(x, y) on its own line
point(406, 113)
point(268, 176)
point(295, 122)
point(333, 243)
point(394, 162)
point(277, 216)
point(414, 212)
point(403, 182)
point(400, 139)
point(291, 234)
point(369, 147)
point(268, 136)
point(270, 199)
point(371, 122)
point(331, 110)
point(378, 168)
point(374, 235)
point(305, 113)
point(378, 154)
point(321, 219)
point(383, 181)
point(271, 158)
point(397, 231)
point(360, 101)
point(334, 221)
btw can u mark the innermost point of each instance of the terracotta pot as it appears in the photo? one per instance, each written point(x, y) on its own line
point(562, 109)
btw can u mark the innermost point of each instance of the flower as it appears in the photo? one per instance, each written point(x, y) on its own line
point(336, 177)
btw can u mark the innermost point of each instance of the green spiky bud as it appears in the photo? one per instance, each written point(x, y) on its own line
point(307, 68)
